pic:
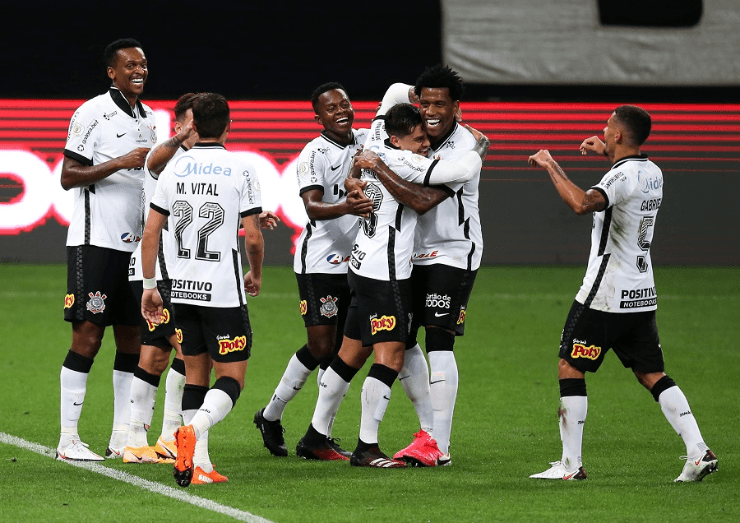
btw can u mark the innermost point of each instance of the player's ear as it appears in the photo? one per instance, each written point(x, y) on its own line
point(394, 141)
point(318, 119)
point(111, 73)
point(194, 128)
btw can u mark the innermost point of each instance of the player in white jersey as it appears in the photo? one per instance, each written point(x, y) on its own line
point(202, 196)
point(615, 307)
point(109, 137)
point(158, 340)
point(380, 268)
point(321, 257)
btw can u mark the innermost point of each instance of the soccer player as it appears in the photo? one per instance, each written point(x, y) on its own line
point(380, 268)
point(159, 339)
point(448, 246)
point(109, 137)
point(320, 262)
point(615, 306)
point(202, 196)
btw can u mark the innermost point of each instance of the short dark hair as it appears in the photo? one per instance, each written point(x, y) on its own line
point(210, 115)
point(441, 76)
point(109, 55)
point(637, 122)
point(401, 120)
point(330, 86)
point(184, 103)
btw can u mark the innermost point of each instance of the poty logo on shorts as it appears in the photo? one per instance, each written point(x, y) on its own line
point(461, 318)
point(69, 300)
point(581, 351)
point(96, 303)
point(303, 307)
point(178, 335)
point(164, 319)
point(384, 323)
point(226, 346)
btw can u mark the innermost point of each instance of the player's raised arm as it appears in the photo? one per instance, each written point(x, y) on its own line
point(582, 202)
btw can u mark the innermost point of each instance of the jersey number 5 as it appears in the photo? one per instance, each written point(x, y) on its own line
point(184, 212)
point(643, 243)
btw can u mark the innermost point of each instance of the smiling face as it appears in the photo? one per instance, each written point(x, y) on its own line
point(129, 72)
point(334, 112)
point(437, 110)
point(417, 141)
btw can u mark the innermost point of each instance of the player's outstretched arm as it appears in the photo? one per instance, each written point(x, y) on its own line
point(419, 198)
point(75, 174)
point(317, 209)
point(164, 152)
point(254, 245)
point(582, 202)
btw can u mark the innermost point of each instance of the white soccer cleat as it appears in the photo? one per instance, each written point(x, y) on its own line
point(558, 471)
point(75, 450)
point(696, 469)
point(111, 453)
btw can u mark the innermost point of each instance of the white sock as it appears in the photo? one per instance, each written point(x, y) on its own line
point(200, 456)
point(174, 386)
point(375, 397)
point(572, 414)
point(443, 391)
point(293, 379)
point(331, 393)
point(143, 395)
point(319, 375)
point(73, 389)
point(676, 408)
point(414, 378)
point(121, 408)
point(216, 405)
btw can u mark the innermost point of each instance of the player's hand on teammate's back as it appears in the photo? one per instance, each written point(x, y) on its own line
point(151, 305)
point(134, 159)
point(592, 144)
point(269, 220)
point(541, 159)
point(252, 285)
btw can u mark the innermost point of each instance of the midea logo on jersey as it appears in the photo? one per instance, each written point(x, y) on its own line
point(336, 259)
point(648, 184)
point(186, 165)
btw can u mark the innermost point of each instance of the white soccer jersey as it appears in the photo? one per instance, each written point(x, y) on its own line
point(384, 243)
point(167, 241)
point(205, 192)
point(108, 212)
point(450, 233)
point(324, 245)
point(619, 277)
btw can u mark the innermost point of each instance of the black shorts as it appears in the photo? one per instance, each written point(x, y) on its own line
point(588, 335)
point(379, 311)
point(223, 332)
point(157, 334)
point(97, 287)
point(324, 298)
point(440, 296)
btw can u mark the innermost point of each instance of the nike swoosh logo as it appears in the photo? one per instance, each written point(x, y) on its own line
point(119, 135)
point(77, 404)
point(335, 168)
point(386, 397)
point(438, 315)
point(568, 476)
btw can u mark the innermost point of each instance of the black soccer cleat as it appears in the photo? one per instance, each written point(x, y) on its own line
point(374, 457)
point(272, 434)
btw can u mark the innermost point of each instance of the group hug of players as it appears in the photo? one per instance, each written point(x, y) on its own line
point(393, 243)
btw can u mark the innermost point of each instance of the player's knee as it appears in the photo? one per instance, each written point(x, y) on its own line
point(439, 339)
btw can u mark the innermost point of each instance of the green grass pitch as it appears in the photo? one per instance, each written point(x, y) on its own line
point(505, 424)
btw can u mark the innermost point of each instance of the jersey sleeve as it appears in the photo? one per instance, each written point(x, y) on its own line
point(615, 186)
point(310, 169)
point(83, 134)
point(159, 200)
point(460, 171)
point(251, 199)
point(396, 94)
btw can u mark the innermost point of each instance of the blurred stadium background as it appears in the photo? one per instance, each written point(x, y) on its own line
point(539, 74)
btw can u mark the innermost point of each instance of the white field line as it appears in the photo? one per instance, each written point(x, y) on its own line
point(151, 486)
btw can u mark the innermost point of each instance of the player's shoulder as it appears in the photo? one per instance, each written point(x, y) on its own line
point(361, 135)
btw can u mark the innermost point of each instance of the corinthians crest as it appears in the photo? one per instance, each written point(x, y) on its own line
point(96, 303)
point(329, 306)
